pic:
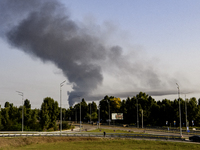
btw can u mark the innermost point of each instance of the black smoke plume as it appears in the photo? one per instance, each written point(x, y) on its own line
point(45, 30)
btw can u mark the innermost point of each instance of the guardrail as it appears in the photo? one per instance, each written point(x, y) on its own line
point(90, 134)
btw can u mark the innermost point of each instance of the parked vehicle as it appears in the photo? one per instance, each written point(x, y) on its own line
point(195, 138)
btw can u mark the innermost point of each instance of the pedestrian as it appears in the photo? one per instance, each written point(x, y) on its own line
point(104, 133)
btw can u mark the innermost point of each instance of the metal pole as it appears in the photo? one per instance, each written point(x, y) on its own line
point(142, 118)
point(80, 114)
point(179, 108)
point(22, 94)
point(61, 84)
point(185, 112)
point(90, 112)
point(99, 115)
point(60, 110)
point(137, 115)
point(22, 112)
point(109, 111)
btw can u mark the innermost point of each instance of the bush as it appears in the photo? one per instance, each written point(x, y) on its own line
point(65, 125)
point(16, 127)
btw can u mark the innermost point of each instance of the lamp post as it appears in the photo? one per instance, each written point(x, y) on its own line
point(80, 111)
point(142, 117)
point(137, 114)
point(185, 112)
point(22, 94)
point(99, 115)
point(179, 108)
point(80, 114)
point(61, 84)
point(90, 112)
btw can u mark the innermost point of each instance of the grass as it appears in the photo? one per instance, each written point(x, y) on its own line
point(85, 143)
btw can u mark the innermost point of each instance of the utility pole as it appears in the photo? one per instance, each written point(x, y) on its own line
point(80, 111)
point(61, 84)
point(99, 115)
point(22, 94)
point(142, 118)
point(137, 115)
point(90, 112)
point(186, 112)
point(179, 108)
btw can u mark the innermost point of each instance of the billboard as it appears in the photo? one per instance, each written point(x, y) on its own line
point(117, 116)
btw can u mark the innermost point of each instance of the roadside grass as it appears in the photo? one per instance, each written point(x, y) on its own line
point(79, 143)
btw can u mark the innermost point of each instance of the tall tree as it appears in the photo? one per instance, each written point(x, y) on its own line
point(49, 113)
point(7, 104)
point(44, 116)
point(27, 104)
point(84, 110)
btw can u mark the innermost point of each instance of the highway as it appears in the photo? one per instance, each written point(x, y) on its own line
point(151, 134)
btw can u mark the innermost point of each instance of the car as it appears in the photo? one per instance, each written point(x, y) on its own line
point(195, 138)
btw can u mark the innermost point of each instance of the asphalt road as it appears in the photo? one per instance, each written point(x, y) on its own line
point(88, 127)
point(152, 131)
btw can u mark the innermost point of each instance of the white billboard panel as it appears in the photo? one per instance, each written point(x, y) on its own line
point(117, 116)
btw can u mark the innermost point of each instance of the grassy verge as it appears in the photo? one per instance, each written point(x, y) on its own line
point(80, 143)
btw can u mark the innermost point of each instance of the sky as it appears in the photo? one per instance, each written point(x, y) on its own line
point(103, 47)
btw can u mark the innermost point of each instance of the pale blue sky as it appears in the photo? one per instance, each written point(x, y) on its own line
point(162, 35)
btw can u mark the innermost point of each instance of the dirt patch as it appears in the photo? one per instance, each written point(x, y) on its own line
point(22, 141)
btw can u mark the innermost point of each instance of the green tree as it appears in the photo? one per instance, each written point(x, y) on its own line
point(192, 110)
point(5, 117)
point(104, 109)
point(33, 123)
point(123, 109)
point(49, 113)
point(27, 104)
point(44, 116)
point(84, 110)
point(7, 104)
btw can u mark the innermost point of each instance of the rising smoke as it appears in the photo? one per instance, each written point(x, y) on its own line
point(45, 30)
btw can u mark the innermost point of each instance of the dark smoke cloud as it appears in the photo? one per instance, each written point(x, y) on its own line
point(44, 30)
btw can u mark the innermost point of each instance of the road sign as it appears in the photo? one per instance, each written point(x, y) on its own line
point(188, 129)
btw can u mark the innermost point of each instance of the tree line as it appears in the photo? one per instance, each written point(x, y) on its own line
point(155, 113)
point(13, 118)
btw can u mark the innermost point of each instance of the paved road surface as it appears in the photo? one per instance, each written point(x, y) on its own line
point(156, 132)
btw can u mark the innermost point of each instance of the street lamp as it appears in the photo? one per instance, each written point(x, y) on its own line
point(61, 84)
point(76, 115)
point(90, 112)
point(137, 114)
point(22, 94)
point(142, 117)
point(179, 108)
point(185, 112)
point(80, 113)
point(99, 115)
